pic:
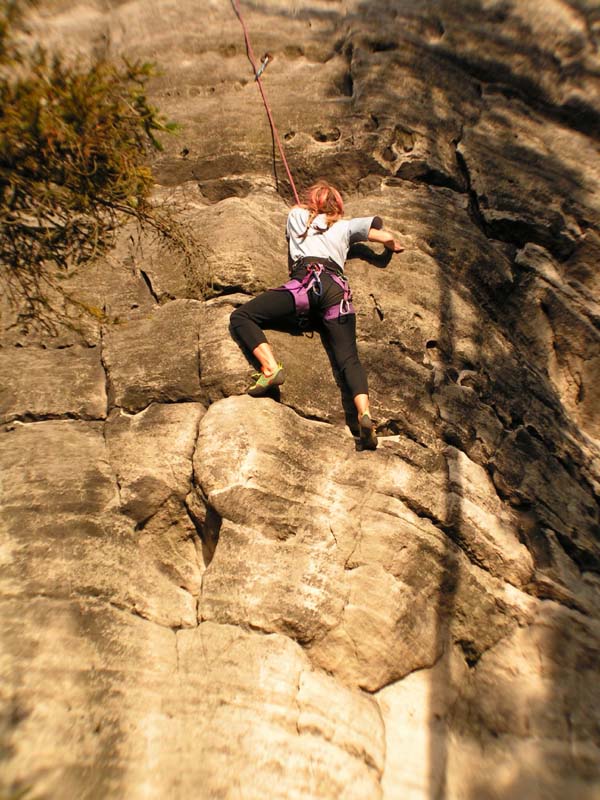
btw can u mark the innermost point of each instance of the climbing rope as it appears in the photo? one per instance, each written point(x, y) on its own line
point(257, 75)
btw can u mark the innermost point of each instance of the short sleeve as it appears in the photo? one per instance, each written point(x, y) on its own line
point(359, 228)
point(296, 222)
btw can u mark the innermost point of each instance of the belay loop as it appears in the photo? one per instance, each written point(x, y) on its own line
point(317, 286)
point(299, 290)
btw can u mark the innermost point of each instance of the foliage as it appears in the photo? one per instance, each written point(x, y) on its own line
point(11, 13)
point(74, 148)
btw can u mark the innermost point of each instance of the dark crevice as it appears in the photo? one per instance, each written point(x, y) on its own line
point(347, 84)
point(399, 427)
point(549, 591)
point(470, 651)
point(585, 560)
point(28, 418)
point(222, 290)
point(382, 45)
point(515, 232)
point(395, 680)
point(405, 350)
point(560, 540)
point(140, 525)
point(519, 233)
point(148, 283)
point(114, 471)
point(94, 596)
point(211, 530)
point(499, 77)
point(567, 461)
point(305, 415)
point(438, 27)
point(207, 525)
point(431, 177)
point(550, 518)
point(453, 533)
point(420, 511)
point(407, 174)
point(331, 135)
point(132, 411)
point(525, 273)
point(108, 388)
point(474, 209)
point(377, 308)
point(198, 371)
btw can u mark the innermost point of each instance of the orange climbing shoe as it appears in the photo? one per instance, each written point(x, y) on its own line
point(263, 384)
point(368, 437)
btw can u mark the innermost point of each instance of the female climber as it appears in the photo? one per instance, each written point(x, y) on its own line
point(319, 240)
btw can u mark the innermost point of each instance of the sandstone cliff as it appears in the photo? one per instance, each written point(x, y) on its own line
point(210, 596)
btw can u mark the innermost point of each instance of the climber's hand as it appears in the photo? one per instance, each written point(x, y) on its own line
point(394, 246)
point(385, 238)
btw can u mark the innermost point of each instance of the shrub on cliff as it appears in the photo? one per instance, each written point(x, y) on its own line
point(74, 147)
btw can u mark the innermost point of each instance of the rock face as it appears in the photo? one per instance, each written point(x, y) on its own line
point(207, 595)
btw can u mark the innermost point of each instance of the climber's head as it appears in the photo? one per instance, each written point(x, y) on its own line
point(323, 198)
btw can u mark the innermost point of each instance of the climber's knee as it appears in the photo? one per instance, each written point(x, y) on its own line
point(238, 317)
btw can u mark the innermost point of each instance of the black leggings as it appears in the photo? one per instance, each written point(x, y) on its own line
point(248, 320)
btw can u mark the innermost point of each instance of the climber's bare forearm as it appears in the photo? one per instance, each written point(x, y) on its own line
point(386, 239)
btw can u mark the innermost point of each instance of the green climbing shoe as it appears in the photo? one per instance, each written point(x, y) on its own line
point(263, 384)
point(368, 437)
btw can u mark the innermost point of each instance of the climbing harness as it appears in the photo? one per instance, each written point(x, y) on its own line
point(312, 282)
point(257, 76)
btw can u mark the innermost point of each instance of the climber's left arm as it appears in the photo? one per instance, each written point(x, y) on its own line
point(386, 239)
point(370, 229)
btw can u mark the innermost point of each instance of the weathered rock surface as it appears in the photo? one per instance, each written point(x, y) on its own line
point(341, 561)
point(151, 454)
point(206, 595)
point(62, 533)
point(66, 382)
point(154, 358)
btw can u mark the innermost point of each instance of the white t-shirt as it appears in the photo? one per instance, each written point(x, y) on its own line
point(332, 242)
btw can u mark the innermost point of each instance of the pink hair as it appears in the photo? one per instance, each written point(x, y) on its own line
point(323, 198)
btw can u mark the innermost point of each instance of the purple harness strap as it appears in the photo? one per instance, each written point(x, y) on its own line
point(312, 281)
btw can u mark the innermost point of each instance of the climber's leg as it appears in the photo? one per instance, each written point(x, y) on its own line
point(341, 336)
point(247, 322)
point(265, 357)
